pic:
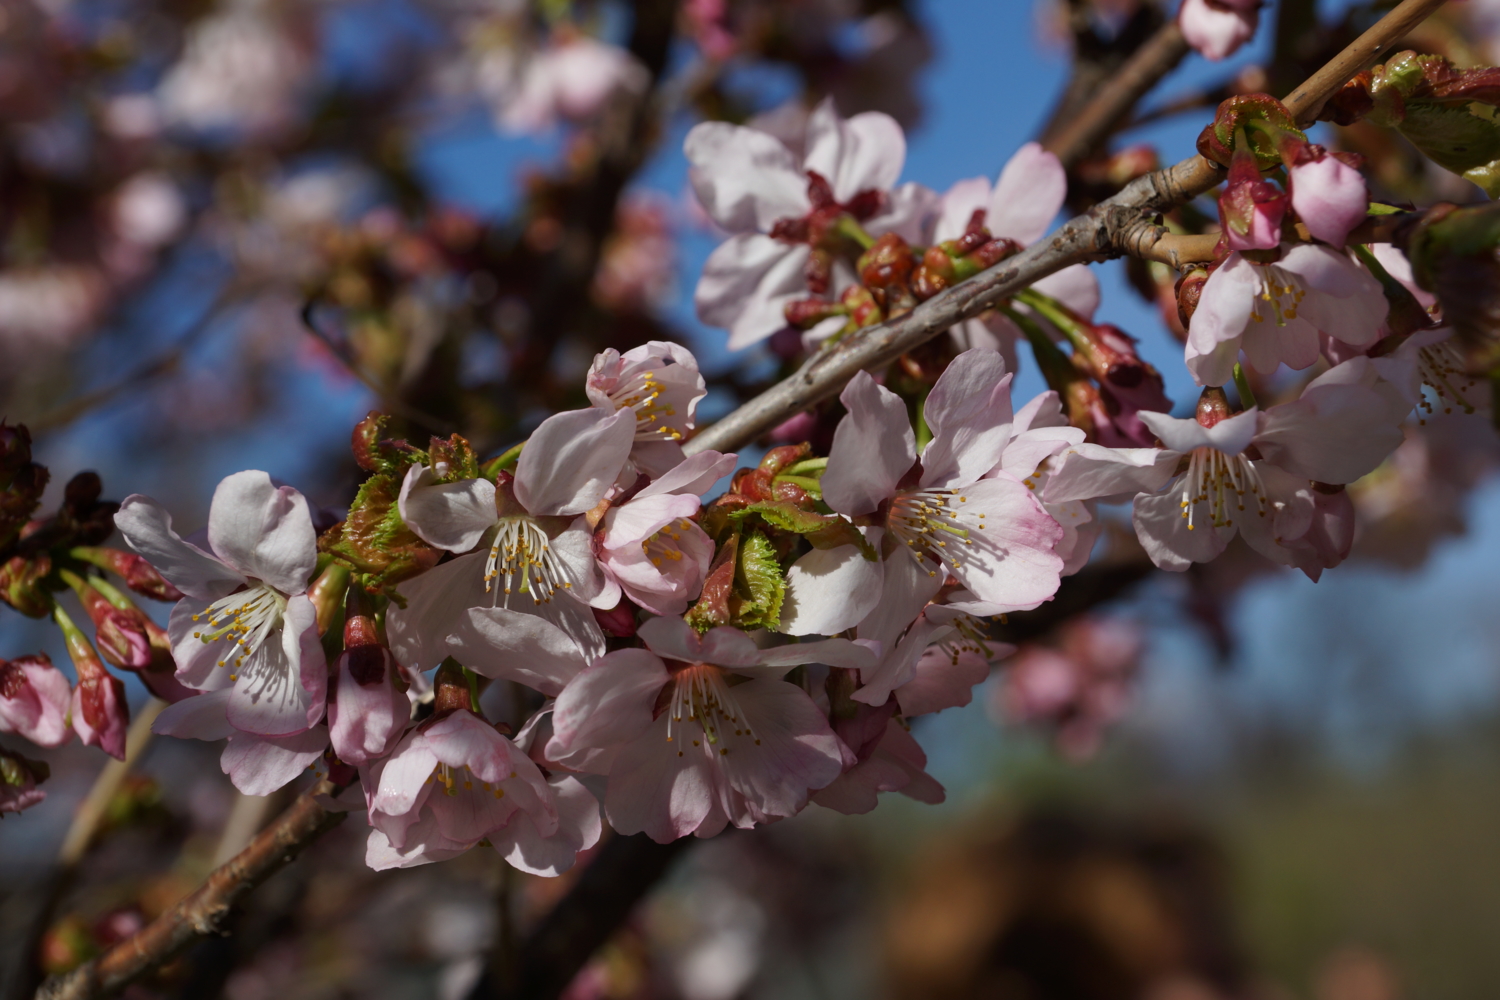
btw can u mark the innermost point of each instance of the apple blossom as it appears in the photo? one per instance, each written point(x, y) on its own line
point(246, 620)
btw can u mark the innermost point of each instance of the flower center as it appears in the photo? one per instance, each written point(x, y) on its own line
point(701, 694)
point(970, 638)
point(522, 554)
point(640, 392)
point(927, 522)
point(244, 618)
point(1279, 293)
point(1219, 482)
point(663, 545)
point(455, 779)
point(1442, 369)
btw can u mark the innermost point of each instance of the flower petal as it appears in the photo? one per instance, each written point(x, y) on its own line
point(744, 178)
point(264, 531)
point(452, 516)
point(605, 707)
point(204, 717)
point(862, 153)
point(508, 645)
point(259, 765)
point(873, 447)
point(829, 590)
point(1028, 195)
point(572, 460)
point(969, 413)
point(147, 528)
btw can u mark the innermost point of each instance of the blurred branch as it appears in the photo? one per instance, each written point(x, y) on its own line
point(606, 893)
point(163, 364)
point(1112, 101)
point(1122, 224)
point(76, 843)
point(201, 913)
point(1096, 60)
point(394, 403)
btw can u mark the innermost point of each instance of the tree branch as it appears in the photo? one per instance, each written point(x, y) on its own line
point(201, 913)
point(1179, 251)
point(1112, 102)
point(1122, 224)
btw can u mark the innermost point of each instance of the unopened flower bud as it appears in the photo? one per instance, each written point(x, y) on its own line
point(100, 714)
point(20, 500)
point(373, 451)
point(19, 777)
point(21, 584)
point(119, 635)
point(327, 595)
point(368, 710)
point(1217, 142)
point(1251, 207)
point(618, 621)
point(1213, 406)
point(451, 691)
point(1189, 292)
point(34, 698)
point(138, 574)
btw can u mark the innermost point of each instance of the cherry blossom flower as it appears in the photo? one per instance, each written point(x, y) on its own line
point(451, 783)
point(1328, 195)
point(519, 607)
point(758, 189)
point(1274, 313)
point(257, 765)
point(895, 764)
point(1217, 28)
point(246, 620)
point(367, 712)
point(34, 700)
point(648, 546)
point(569, 78)
point(660, 381)
point(1025, 198)
point(947, 512)
point(730, 742)
point(1343, 426)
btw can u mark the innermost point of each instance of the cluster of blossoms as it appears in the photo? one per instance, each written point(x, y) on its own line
point(511, 651)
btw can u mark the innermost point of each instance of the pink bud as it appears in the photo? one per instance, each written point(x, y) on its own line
point(1251, 207)
point(100, 714)
point(1217, 28)
point(368, 712)
point(34, 699)
point(1328, 195)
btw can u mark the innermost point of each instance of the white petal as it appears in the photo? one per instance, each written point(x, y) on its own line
point(1028, 195)
point(864, 152)
point(1087, 471)
point(509, 645)
point(745, 179)
point(873, 447)
point(829, 590)
point(572, 459)
point(147, 528)
point(452, 516)
point(969, 413)
point(1231, 435)
point(264, 531)
point(958, 206)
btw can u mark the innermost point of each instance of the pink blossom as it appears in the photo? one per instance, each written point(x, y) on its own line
point(368, 712)
point(99, 713)
point(949, 669)
point(1025, 199)
point(449, 784)
point(1343, 426)
point(1274, 313)
point(1076, 687)
point(1250, 208)
point(749, 181)
point(1217, 28)
point(650, 549)
point(697, 733)
point(246, 620)
point(661, 383)
point(257, 765)
point(895, 764)
point(1328, 195)
point(952, 513)
point(520, 606)
point(569, 78)
point(34, 700)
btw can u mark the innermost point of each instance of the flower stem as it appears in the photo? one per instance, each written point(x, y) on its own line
point(1057, 314)
point(849, 226)
point(504, 463)
point(1242, 386)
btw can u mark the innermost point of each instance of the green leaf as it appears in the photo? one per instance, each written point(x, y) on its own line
point(786, 516)
point(1465, 140)
point(760, 586)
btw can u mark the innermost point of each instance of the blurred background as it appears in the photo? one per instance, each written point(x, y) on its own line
point(230, 228)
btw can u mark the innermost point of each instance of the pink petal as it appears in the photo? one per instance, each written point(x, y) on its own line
point(578, 828)
point(451, 516)
point(572, 459)
point(1028, 195)
point(259, 765)
point(745, 179)
point(873, 447)
point(745, 284)
point(509, 645)
point(604, 707)
point(1164, 533)
point(969, 414)
point(147, 528)
point(203, 717)
point(864, 152)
